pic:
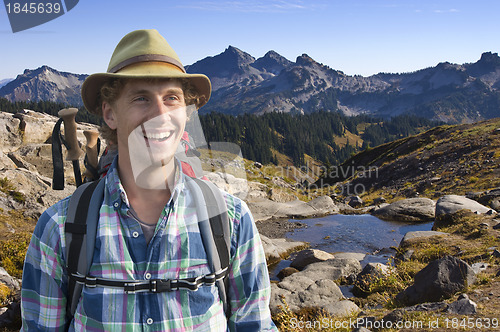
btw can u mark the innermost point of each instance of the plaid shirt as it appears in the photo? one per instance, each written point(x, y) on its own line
point(121, 252)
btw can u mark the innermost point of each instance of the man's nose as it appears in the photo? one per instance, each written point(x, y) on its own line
point(160, 108)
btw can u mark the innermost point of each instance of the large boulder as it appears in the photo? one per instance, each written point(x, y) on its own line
point(309, 256)
point(314, 287)
point(324, 294)
point(412, 209)
point(439, 280)
point(419, 235)
point(450, 204)
point(265, 209)
point(276, 249)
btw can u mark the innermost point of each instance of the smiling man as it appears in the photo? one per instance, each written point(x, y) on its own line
point(149, 229)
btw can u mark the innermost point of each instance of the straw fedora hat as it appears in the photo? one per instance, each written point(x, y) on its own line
point(142, 54)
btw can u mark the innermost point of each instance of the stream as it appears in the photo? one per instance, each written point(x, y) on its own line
point(364, 234)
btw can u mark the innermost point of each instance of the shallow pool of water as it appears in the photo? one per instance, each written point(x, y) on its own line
point(354, 233)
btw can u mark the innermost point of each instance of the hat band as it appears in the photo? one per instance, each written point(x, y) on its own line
point(147, 58)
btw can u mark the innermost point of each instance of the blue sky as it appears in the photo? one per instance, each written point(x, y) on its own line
point(361, 37)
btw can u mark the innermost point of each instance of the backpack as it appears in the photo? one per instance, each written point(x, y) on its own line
point(83, 217)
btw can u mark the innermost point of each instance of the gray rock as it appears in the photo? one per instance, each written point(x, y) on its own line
point(462, 306)
point(6, 162)
point(410, 209)
point(309, 256)
point(324, 205)
point(20, 162)
point(418, 235)
point(354, 201)
point(323, 293)
point(287, 271)
point(451, 204)
point(479, 267)
point(439, 280)
point(495, 204)
point(277, 249)
point(429, 306)
point(9, 281)
point(331, 269)
point(264, 209)
point(350, 255)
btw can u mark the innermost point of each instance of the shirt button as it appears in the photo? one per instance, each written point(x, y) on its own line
point(149, 321)
point(135, 234)
point(147, 276)
point(116, 205)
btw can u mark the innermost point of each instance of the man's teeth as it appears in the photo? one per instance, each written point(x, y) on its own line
point(159, 136)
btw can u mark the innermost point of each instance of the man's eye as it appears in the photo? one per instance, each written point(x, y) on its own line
point(140, 99)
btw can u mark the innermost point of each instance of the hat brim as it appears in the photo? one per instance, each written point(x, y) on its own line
point(92, 85)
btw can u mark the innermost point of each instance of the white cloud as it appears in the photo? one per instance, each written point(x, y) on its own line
point(249, 6)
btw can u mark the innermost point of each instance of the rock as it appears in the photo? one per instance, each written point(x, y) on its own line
point(496, 253)
point(276, 249)
point(361, 329)
point(11, 318)
point(370, 273)
point(495, 204)
point(234, 185)
point(11, 282)
point(354, 201)
point(257, 164)
point(350, 255)
point(323, 293)
point(439, 280)
point(323, 205)
point(419, 235)
point(330, 269)
point(451, 204)
point(379, 200)
point(429, 306)
point(20, 162)
point(462, 306)
point(410, 209)
point(264, 209)
point(6, 162)
point(309, 256)
point(281, 196)
point(287, 271)
point(479, 267)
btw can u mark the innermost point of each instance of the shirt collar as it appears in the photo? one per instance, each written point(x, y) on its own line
point(117, 194)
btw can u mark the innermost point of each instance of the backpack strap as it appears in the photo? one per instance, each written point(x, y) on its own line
point(81, 227)
point(213, 222)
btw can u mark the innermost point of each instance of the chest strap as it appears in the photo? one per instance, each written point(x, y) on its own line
point(153, 285)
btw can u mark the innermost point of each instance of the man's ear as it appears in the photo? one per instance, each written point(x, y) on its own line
point(108, 115)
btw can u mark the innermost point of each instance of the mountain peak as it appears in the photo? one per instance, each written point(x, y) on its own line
point(304, 60)
point(272, 62)
point(234, 54)
point(489, 57)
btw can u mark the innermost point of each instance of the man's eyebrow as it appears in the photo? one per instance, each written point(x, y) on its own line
point(146, 91)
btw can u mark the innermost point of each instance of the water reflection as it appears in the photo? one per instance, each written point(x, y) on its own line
point(354, 233)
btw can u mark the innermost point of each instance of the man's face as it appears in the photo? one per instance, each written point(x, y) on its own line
point(149, 118)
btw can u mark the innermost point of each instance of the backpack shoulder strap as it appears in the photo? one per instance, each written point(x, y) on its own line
point(80, 228)
point(214, 231)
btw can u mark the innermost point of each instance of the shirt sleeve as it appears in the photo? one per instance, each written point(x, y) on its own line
point(249, 286)
point(44, 283)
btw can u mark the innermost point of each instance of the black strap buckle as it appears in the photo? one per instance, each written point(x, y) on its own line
point(160, 285)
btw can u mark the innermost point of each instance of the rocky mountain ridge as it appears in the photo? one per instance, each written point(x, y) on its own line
point(45, 83)
point(453, 93)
